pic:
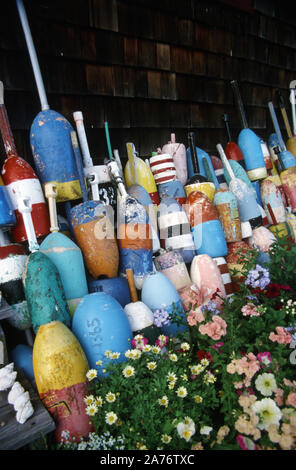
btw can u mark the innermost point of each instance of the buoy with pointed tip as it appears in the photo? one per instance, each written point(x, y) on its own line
point(178, 152)
point(60, 367)
point(100, 324)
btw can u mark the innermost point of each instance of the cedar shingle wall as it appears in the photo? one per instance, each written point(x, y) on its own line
point(149, 68)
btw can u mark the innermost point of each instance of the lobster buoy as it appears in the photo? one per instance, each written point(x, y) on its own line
point(60, 367)
point(206, 227)
point(178, 152)
point(101, 324)
point(232, 150)
point(205, 274)
point(227, 208)
point(117, 287)
point(172, 265)
point(158, 292)
point(291, 222)
point(288, 179)
point(226, 278)
point(165, 175)
point(139, 315)
point(202, 185)
point(262, 238)
point(219, 171)
point(280, 230)
point(22, 357)
point(272, 202)
point(266, 154)
point(174, 229)
point(13, 260)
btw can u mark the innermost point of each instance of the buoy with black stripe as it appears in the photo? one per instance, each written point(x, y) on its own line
point(174, 229)
point(43, 287)
point(50, 133)
point(178, 152)
point(21, 181)
point(65, 255)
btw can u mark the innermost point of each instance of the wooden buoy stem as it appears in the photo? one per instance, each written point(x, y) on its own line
point(51, 193)
point(131, 284)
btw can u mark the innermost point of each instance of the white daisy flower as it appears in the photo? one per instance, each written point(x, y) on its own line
point(111, 417)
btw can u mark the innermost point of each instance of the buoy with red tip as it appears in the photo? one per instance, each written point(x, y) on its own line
point(60, 367)
point(165, 175)
point(249, 211)
point(139, 314)
point(227, 208)
point(232, 150)
point(207, 231)
point(157, 293)
point(219, 171)
point(204, 272)
point(102, 188)
point(133, 233)
point(100, 324)
point(21, 181)
point(174, 229)
point(249, 142)
point(94, 231)
point(172, 265)
point(65, 255)
point(136, 171)
point(272, 202)
point(178, 152)
point(50, 133)
point(42, 283)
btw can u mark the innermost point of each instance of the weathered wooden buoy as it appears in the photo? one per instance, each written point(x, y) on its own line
point(101, 324)
point(22, 357)
point(136, 171)
point(208, 235)
point(60, 367)
point(232, 150)
point(133, 233)
point(237, 253)
point(165, 175)
point(174, 189)
point(272, 202)
point(226, 278)
point(158, 292)
point(190, 296)
point(94, 232)
point(7, 216)
point(178, 152)
point(174, 229)
point(50, 133)
point(249, 142)
point(266, 154)
point(65, 255)
point(249, 211)
point(42, 283)
point(275, 178)
point(13, 258)
point(227, 208)
point(139, 315)
point(117, 287)
point(141, 195)
point(262, 238)
point(21, 181)
point(172, 265)
point(205, 274)
point(288, 179)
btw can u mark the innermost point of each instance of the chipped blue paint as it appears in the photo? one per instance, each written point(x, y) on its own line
point(250, 145)
point(117, 287)
point(209, 239)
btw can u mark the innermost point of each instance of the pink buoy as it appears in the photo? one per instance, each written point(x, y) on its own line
point(205, 273)
point(178, 152)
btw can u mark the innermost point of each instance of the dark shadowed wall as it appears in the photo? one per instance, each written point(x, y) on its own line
point(149, 67)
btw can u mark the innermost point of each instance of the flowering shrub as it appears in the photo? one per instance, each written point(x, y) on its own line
point(228, 382)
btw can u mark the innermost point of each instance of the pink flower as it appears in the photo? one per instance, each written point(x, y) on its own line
point(161, 342)
point(139, 341)
point(279, 393)
point(194, 317)
point(282, 337)
point(291, 399)
point(245, 443)
point(214, 329)
point(264, 358)
point(250, 310)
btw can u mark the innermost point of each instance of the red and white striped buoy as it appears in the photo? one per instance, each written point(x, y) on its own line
point(163, 168)
point(226, 278)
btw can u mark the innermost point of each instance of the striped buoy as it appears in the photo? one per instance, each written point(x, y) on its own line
point(174, 228)
point(219, 171)
point(163, 168)
point(226, 278)
point(172, 265)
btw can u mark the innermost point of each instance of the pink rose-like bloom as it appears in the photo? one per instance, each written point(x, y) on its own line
point(279, 393)
point(214, 329)
point(194, 317)
point(291, 399)
point(282, 337)
point(250, 310)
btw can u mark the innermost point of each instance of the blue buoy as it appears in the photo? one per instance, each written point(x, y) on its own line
point(117, 287)
point(22, 357)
